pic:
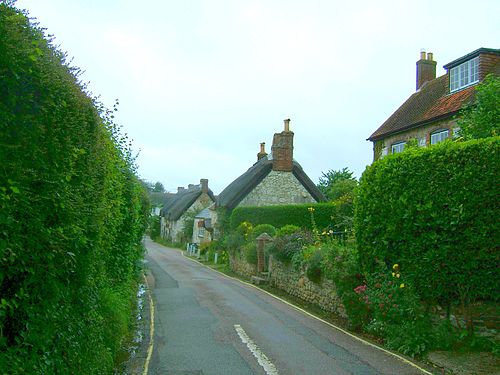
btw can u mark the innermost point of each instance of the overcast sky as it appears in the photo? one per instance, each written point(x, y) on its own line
point(202, 82)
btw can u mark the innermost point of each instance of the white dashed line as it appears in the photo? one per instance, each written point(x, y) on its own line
point(268, 366)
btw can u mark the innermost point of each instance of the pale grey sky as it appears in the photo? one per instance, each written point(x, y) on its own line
point(202, 82)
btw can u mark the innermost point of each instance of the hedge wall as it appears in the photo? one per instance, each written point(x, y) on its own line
point(279, 216)
point(72, 214)
point(435, 212)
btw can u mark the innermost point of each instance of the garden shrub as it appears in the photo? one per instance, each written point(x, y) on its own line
point(286, 247)
point(313, 266)
point(341, 265)
point(287, 229)
point(263, 228)
point(279, 216)
point(250, 252)
point(72, 213)
point(434, 211)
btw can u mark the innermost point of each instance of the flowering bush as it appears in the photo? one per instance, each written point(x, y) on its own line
point(397, 315)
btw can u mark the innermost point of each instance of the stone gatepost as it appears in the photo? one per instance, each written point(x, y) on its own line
point(261, 243)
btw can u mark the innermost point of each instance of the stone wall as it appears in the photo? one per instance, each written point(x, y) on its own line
point(296, 283)
point(278, 188)
point(293, 282)
point(240, 266)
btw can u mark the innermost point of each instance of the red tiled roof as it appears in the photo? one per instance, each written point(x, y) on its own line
point(449, 103)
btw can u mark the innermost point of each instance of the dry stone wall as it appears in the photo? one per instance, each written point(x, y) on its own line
point(294, 282)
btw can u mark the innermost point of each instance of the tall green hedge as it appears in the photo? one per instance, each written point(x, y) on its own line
point(435, 212)
point(72, 213)
point(279, 216)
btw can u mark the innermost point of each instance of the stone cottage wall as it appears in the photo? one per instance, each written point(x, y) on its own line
point(240, 266)
point(278, 188)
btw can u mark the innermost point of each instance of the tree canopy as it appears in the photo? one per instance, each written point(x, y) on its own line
point(481, 119)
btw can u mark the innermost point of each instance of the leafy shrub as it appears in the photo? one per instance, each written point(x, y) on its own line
point(287, 229)
point(263, 228)
point(279, 216)
point(155, 229)
point(287, 246)
point(313, 265)
point(250, 251)
point(434, 211)
point(341, 265)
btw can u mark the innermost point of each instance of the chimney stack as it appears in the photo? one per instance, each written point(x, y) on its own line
point(426, 69)
point(282, 149)
point(262, 153)
point(180, 189)
point(204, 185)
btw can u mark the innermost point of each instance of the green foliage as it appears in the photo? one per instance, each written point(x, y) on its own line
point(341, 265)
point(250, 252)
point(155, 227)
point(263, 228)
point(481, 119)
point(434, 211)
point(312, 262)
point(287, 229)
point(336, 184)
point(286, 247)
point(279, 216)
point(158, 187)
point(72, 213)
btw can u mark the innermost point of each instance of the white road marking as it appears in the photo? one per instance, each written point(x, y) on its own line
point(268, 366)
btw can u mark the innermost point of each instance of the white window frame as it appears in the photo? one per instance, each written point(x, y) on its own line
point(464, 75)
point(397, 147)
point(439, 136)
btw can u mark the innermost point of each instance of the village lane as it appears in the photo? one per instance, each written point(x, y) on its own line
point(206, 323)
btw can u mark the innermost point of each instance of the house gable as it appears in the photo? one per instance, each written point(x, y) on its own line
point(433, 106)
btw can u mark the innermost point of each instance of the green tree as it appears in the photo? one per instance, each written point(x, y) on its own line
point(481, 119)
point(158, 187)
point(336, 184)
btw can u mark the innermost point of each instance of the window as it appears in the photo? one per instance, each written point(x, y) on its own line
point(201, 232)
point(439, 136)
point(422, 142)
point(398, 147)
point(464, 74)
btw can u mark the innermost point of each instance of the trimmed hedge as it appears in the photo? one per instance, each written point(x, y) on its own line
point(435, 212)
point(72, 214)
point(279, 216)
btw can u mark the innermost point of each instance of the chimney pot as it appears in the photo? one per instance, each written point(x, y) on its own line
point(262, 153)
point(204, 185)
point(426, 69)
point(287, 124)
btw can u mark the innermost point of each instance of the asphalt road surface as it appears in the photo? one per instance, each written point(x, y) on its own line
point(206, 323)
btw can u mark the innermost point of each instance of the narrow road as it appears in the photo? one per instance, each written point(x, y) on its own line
point(209, 324)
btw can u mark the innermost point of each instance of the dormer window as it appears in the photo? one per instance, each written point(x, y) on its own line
point(464, 75)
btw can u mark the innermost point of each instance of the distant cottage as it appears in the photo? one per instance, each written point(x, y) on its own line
point(275, 179)
point(180, 208)
point(429, 115)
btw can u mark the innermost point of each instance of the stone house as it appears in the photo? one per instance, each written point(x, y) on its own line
point(202, 226)
point(181, 207)
point(429, 115)
point(275, 179)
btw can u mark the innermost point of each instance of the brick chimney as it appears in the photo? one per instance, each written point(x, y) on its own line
point(262, 153)
point(426, 69)
point(282, 149)
point(204, 185)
